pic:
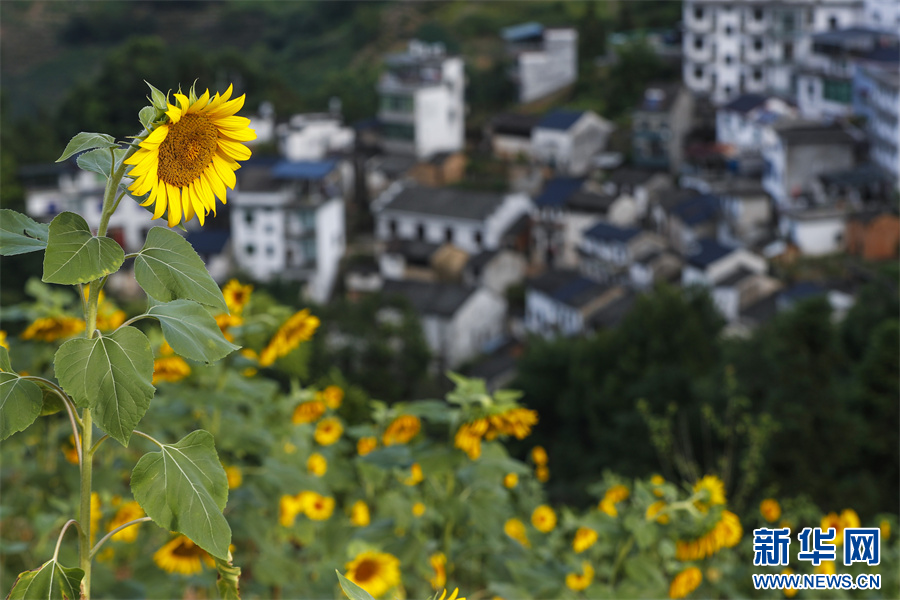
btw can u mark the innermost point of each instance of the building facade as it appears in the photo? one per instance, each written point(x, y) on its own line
point(545, 60)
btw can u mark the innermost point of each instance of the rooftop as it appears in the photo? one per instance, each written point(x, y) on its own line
point(560, 119)
point(659, 98)
point(591, 202)
point(567, 287)
point(303, 169)
point(707, 252)
point(740, 274)
point(558, 191)
point(446, 202)
point(416, 252)
point(697, 210)
point(612, 314)
point(611, 233)
point(806, 133)
point(522, 32)
point(629, 176)
point(430, 298)
point(745, 103)
point(514, 124)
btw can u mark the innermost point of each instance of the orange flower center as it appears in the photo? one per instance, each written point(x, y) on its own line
point(366, 570)
point(187, 150)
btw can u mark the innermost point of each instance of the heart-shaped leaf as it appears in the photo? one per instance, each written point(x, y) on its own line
point(20, 404)
point(183, 488)
point(100, 161)
point(51, 581)
point(168, 268)
point(192, 331)
point(110, 375)
point(20, 234)
point(74, 255)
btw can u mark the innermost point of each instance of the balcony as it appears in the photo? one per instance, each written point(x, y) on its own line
point(695, 25)
point(701, 55)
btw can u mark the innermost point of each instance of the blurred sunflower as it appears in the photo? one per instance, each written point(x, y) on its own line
point(170, 368)
point(50, 329)
point(439, 563)
point(317, 464)
point(235, 477)
point(317, 507)
point(543, 518)
point(184, 163)
point(375, 572)
point(685, 582)
point(236, 296)
point(181, 555)
point(515, 529)
point(359, 514)
point(653, 511)
point(585, 537)
point(3, 342)
point(770, 510)
point(365, 445)
point(127, 512)
point(415, 475)
point(333, 396)
point(712, 492)
point(308, 412)
point(328, 431)
point(418, 509)
point(401, 430)
point(510, 480)
point(293, 332)
point(577, 582)
point(613, 496)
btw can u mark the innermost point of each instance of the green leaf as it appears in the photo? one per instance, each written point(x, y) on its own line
point(20, 404)
point(229, 575)
point(183, 488)
point(20, 234)
point(87, 141)
point(168, 268)
point(146, 116)
point(5, 365)
point(74, 255)
point(353, 591)
point(157, 97)
point(100, 161)
point(192, 331)
point(50, 581)
point(110, 375)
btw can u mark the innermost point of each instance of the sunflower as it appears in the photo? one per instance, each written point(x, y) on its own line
point(770, 510)
point(185, 162)
point(726, 533)
point(543, 518)
point(510, 481)
point(236, 296)
point(516, 422)
point(657, 481)
point(613, 496)
point(577, 582)
point(328, 431)
point(333, 396)
point(712, 492)
point(539, 455)
point(885, 527)
point(585, 537)
point(685, 582)
point(293, 332)
point(288, 509)
point(418, 509)
point(833, 521)
point(170, 368)
point(235, 477)
point(359, 514)
point(415, 475)
point(375, 572)
point(542, 472)
point(316, 506)
point(365, 445)
point(468, 437)
point(452, 596)
point(50, 329)
point(401, 430)
point(439, 563)
point(181, 555)
point(316, 464)
point(515, 529)
point(3, 342)
point(308, 412)
point(127, 512)
point(653, 511)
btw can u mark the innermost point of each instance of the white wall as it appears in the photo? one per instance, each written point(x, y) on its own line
point(814, 237)
point(330, 248)
point(549, 318)
point(543, 72)
point(480, 320)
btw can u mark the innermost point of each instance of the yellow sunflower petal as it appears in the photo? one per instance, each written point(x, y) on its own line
point(238, 135)
point(223, 170)
point(151, 197)
point(200, 103)
point(227, 109)
point(218, 100)
point(155, 138)
point(202, 187)
point(174, 195)
point(233, 123)
point(162, 201)
point(234, 150)
point(215, 182)
point(183, 102)
point(187, 203)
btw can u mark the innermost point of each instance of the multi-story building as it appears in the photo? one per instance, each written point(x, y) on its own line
point(732, 47)
point(825, 81)
point(422, 101)
point(877, 98)
point(287, 222)
point(546, 60)
point(659, 124)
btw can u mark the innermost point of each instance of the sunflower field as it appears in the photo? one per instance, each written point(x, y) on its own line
point(405, 500)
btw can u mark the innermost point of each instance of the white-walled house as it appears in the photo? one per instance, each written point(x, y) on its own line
point(740, 123)
point(607, 251)
point(567, 140)
point(814, 231)
point(422, 108)
point(82, 192)
point(459, 322)
point(561, 302)
point(472, 221)
point(287, 222)
point(313, 137)
point(710, 261)
point(545, 59)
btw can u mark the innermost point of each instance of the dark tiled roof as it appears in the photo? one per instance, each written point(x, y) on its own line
point(558, 191)
point(801, 291)
point(698, 209)
point(629, 176)
point(560, 119)
point(417, 252)
point(590, 202)
point(745, 103)
point(707, 252)
point(394, 165)
point(207, 241)
point(567, 287)
point(659, 98)
point(478, 261)
point(523, 31)
point(257, 178)
point(430, 298)
point(446, 202)
point(814, 133)
point(737, 276)
point(303, 169)
point(514, 124)
point(612, 314)
point(607, 232)
point(857, 177)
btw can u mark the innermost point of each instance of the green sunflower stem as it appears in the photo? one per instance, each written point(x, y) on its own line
point(85, 518)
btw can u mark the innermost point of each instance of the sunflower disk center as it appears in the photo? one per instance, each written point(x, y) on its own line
point(187, 150)
point(366, 570)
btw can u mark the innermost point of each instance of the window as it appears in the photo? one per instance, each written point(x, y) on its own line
point(727, 90)
point(838, 91)
point(420, 231)
point(448, 235)
point(249, 249)
point(248, 217)
point(698, 13)
point(478, 238)
point(396, 103)
point(698, 72)
point(758, 14)
point(392, 227)
point(810, 89)
point(788, 53)
point(698, 42)
point(729, 30)
point(270, 250)
point(757, 44)
point(832, 22)
point(728, 59)
point(757, 75)
point(399, 131)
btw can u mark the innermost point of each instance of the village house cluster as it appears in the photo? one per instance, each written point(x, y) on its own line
point(803, 98)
